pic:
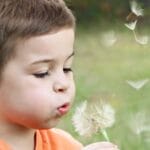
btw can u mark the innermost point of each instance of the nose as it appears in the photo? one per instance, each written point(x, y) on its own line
point(61, 83)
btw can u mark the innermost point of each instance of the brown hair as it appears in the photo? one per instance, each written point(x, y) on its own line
point(21, 19)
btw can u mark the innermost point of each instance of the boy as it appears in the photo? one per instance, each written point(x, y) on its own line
point(36, 80)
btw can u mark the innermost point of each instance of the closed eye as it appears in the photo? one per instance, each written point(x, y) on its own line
point(67, 70)
point(41, 75)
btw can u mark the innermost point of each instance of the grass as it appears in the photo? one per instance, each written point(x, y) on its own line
point(101, 73)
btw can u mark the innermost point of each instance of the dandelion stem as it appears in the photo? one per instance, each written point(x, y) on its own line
point(104, 133)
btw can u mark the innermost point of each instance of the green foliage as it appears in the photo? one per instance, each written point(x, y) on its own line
point(94, 9)
point(89, 11)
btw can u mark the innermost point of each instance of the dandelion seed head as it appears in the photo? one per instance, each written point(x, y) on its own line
point(82, 122)
point(104, 115)
point(95, 117)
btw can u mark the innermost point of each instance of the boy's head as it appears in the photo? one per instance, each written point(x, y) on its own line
point(36, 51)
point(22, 19)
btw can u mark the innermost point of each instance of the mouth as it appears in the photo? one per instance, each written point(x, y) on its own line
point(63, 109)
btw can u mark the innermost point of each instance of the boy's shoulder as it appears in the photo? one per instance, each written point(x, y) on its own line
point(56, 139)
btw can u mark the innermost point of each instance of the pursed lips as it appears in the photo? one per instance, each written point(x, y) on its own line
point(63, 109)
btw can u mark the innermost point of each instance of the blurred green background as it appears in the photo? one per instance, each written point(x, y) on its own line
point(107, 56)
point(91, 11)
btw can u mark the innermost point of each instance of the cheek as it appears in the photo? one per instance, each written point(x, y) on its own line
point(37, 98)
point(29, 107)
point(72, 90)
point(26, 99)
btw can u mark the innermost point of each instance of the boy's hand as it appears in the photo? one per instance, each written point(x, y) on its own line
point(101, 146)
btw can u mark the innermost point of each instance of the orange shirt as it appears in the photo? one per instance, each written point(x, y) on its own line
point(53, 139)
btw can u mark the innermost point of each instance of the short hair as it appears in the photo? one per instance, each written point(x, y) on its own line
point(22, 19)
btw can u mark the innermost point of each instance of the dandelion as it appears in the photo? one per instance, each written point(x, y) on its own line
point(89, 119)
point(137, 84)
point(136, 8)
point(81, 121)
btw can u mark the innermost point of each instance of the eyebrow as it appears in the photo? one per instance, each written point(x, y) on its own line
point(72, 54)
point(49, 60)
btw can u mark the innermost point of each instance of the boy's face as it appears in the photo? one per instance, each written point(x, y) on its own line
point(37, 85)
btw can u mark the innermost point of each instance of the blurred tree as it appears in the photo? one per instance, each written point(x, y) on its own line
point(92, 10)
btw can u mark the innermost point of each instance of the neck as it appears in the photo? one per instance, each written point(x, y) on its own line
point(18, 137)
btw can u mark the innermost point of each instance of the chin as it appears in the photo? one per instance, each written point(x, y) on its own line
point(49, 124)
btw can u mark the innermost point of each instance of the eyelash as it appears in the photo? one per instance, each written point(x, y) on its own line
point(44, 74)
point(41, 75)
point(67, 70)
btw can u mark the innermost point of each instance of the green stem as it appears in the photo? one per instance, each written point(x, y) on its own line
point(104, 133)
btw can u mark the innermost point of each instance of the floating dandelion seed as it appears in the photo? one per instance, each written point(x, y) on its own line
point(136, 8)
point(136, 11)
point(89, 119)
point(137, 84)
point(131, 25)
point(139, 123)
point(142, 39)
point(109, 38)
